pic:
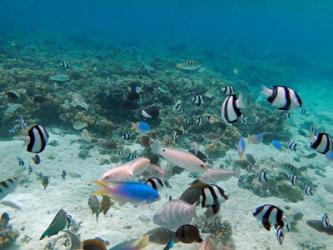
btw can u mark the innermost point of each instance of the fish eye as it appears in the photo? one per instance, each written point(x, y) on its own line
point(202, 165)
point(163, 150)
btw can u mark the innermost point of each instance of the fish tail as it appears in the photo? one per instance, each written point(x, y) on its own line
point(266, 91)
point(44, 235)
point(143, 242)
point(155, 148)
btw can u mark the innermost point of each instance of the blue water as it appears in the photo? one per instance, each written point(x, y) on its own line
point(117, 47)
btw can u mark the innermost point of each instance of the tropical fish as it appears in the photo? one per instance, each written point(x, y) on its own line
point(188, 234)
point(197, 100)
point(138, 166)
point(118, 173)
point(231, 109)
point(105, 204)
point(65, 64)
point(193, 193)
point(61, 221)
point(286, 115)
point(189, 65)
point(127, 135)
point(94, 205)
point(180, 158)
point(4, 219)
point(37, 139)
point(155, 170)
point(241, 147)
point(325, 220)
point(132, 244)
point(322, 143)
point(294, 180)
point(150, 112)
point(175, 213)
point(132, 192)
point(212, 196)
point(257, 138)
point(20, 161)
point(282, 97)
point(229, 90)
point(94, 244)
point(63, 175)
point(318, 225)
point(175, 135)
point(178, 106)
point(8, 186)
point(220, 174)
point(280, 234)
point(36, 159)
point(269, 215)
point(155, 183)
point(308, 190)
point(161, 235)
point(262, 176)
point(141, 127)
point(45, 181)
point(277, 144)
point(292, 146)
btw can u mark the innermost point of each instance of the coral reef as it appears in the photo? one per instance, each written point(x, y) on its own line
point(8, 235)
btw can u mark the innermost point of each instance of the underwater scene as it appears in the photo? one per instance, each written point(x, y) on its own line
point(175, 124)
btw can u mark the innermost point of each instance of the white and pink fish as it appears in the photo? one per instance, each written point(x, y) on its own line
point(221, 174)
point(180, 158)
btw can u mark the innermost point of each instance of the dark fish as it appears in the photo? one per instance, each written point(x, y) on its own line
point(325, 220)
point(45, 181)
point(231, 109)
point(269, 215)
point(294, 180)
point(30, 170)
point(61, 221)
point(36, 159)
point(188, 234)
point(197, 100)
point(262, 176)
point(105, 204)
point(193, 193)
point(4, 219)
point(94, 205)
point(250, 159)
point(150, 112)
point(175, 135)
point(292, 146)
point(63, 175)
point(11, 94)
point(94, 244)
point(21, 161)
point(199, 121)
point(65, 64)
point(37, 139)
point(318, 225)
point(160, 235)
point(308, 190)
point(286, 115)
point(8, 186)
point(212, 196)
point(127, 135)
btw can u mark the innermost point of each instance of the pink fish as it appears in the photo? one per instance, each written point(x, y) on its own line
point(207, 245)
point(126, 171)
point(221, 174)
point(155, 171)
point(180, 158)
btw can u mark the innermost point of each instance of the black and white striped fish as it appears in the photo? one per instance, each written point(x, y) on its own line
point(199, 121)
point(229, 90)
point(303, 111)
point(20, 161)
point(286, 115)
point(308, 190)
point(131, 156)
point(269, 215)
point(197, 100)
point(231, 109)
point(280, 234)
point(8, 186)
point(262, 176)
point(325, 220)
point(65, 64)
point(212, 196)
point(155, 183)
point(178, 106)
point(175, 135)
point(322, 143)
point(292, 146)
point(21, 122)
point(127, 135)
point(187, 120)
point(37, 139)
point(294, 180)
point(282, 97)
point(150, 112)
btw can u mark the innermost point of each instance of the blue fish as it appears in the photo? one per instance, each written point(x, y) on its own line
point(169, 245)
point(133, 192)
point(277, 144)
point(142, 127)
point(241, 147)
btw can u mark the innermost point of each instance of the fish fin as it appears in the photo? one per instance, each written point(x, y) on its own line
point(44, 235)
point(267, 225)
point(155, 148)
point(216, 208)
point(143, 242)
point(240, 102)
point(266, 91)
